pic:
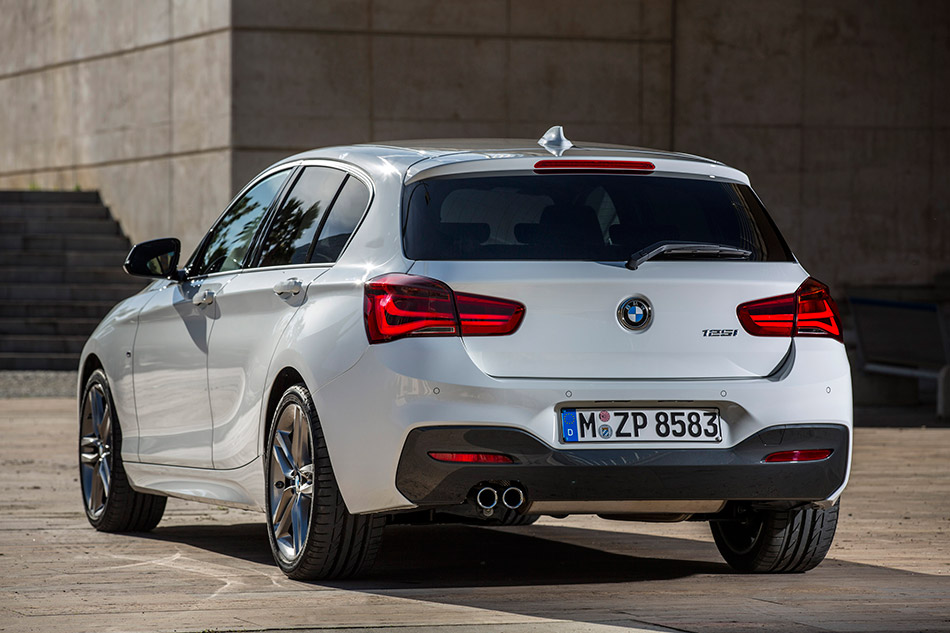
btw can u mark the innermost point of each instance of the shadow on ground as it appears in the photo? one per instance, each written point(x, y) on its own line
point(600, 577)
point(444, 556)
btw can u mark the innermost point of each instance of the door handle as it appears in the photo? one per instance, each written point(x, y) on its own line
point(290, 286)
point(204, 298)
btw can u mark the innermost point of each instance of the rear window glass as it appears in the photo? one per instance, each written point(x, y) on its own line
point(598, 217)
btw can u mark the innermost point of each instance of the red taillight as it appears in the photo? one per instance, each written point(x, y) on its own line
point(799, 456)
point(398, 305)
point(472, 458)
point(487, 316)
point(612, 165)
point(817, 311)
point(810, 311)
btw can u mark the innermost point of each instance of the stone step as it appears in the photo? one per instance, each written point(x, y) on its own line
point(67, 326)
point(33, 361)
point(78, 275)
point(61, 256)
point(68, 226)
point(20, 344)
point(68, 292)
point(54, 212)
point(67, 258)
point(50, 197)
point(15, 308)
point(57, 243)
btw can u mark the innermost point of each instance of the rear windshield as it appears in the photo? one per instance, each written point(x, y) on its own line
point(597, 217)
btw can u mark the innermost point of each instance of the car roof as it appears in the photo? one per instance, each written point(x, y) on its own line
point(441, 156)
point(491, 148)
point(529, 147)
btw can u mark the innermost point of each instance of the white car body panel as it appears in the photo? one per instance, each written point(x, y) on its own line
point(252, 316)
point(237, 487)
point(170, 365)
point(575, 304)
point(194, 425)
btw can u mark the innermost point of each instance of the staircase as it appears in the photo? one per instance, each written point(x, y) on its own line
point(61, 256)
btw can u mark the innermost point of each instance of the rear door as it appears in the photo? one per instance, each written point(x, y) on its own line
point(300, 244)
point(558, 244)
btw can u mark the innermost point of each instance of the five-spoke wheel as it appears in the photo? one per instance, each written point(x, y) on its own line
point(291, 476)
point(110, 502)
point(95, 447)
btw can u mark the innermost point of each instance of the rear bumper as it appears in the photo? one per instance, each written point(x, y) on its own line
point(369, 412)
point(623, 474)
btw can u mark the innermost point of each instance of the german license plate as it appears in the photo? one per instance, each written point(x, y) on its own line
point(640, 425)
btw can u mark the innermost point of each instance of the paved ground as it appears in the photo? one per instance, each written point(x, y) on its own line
point(209, 568)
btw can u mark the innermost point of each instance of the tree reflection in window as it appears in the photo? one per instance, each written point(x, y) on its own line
point(227, 245)
point(291, 233)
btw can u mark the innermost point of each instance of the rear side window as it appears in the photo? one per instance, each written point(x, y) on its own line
point(597, 217)
point(344, 217)
point(291, 233)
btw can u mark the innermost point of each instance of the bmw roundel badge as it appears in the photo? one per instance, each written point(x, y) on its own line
point(635, 313)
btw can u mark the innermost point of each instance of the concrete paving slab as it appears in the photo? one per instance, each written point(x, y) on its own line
point(208, 568)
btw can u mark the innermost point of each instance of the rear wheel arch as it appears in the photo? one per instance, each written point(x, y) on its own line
point(285, 378)
point(311, 532)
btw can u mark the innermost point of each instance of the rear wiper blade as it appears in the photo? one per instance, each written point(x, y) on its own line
point(698, 248)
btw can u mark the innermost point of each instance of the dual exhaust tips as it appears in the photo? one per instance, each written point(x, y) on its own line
point(487, 497)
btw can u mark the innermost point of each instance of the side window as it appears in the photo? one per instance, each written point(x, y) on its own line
point(228, 241)
point(290, 235)
point(340, 224)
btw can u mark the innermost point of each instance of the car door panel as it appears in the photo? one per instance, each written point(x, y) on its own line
point(170, 359)
point(253, 318)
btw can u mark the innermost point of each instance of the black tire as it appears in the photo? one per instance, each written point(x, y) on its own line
point(110, 503)
point(333, 543)
point(777, 541)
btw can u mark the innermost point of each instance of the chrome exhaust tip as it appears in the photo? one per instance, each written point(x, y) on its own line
point(512, 497)
point(486, 498)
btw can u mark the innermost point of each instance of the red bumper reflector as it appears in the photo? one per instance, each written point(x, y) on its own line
point(799, 456)
point(472, 458)
point(613, 165)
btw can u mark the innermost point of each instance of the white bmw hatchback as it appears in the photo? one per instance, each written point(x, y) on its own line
point(483, 331)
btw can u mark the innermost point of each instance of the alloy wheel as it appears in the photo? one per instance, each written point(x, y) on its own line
point(290, 483)
point(95, 450)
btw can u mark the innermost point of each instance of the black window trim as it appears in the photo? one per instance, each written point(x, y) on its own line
point(349, 170)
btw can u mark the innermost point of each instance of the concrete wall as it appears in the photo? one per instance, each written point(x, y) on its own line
point(132, 98)
point(341, 71)
point(838, 109)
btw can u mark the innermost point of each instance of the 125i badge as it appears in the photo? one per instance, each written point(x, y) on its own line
point(720, 332)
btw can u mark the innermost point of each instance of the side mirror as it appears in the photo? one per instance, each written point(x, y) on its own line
point(154, 258)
